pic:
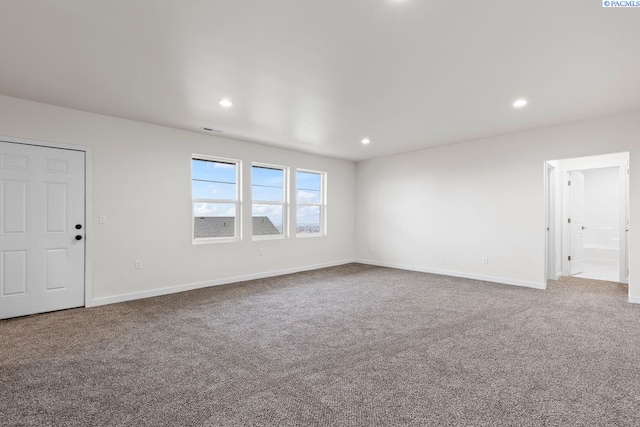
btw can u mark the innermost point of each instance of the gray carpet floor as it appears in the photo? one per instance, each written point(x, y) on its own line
point(348, 346)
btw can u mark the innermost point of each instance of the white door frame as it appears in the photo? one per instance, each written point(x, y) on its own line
point(624, 222)
point(550, 269)
point(625, 235)
point(88, 284)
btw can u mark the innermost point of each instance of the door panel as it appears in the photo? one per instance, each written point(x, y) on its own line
point(56, 266)
point(10, 161)
point(41, 201)
point(56, 214)
point(14, 273)
point(14, 202)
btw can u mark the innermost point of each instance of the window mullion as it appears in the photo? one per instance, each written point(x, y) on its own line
point(227, 201)
point(267, 202)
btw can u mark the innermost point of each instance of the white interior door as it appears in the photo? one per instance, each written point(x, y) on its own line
point(576, 221)
point(42, 220)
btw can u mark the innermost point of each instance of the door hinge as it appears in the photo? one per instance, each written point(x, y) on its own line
point(569, 183)
point(569, 220)
point(569, 257)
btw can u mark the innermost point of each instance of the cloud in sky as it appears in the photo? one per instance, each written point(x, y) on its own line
point(217, 165)
point(214, 209)
point(308, 214)
point(307, 196)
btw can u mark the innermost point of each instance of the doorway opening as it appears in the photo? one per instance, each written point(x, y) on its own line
point(587, 218)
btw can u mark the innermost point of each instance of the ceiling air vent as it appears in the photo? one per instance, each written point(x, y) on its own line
point(212, 130)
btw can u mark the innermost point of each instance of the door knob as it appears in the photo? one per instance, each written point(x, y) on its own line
point(78, 237)
point(78, 226)
point(584, 228)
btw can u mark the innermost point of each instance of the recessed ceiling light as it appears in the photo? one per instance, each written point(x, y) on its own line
point(225, 103)
point(519, 103)
point(366, 141)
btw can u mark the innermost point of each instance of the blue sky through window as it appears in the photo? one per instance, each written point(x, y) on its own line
point(308, 190)
point(308, 187)
point(267, 185)
point(217, 181)
point(213, 180)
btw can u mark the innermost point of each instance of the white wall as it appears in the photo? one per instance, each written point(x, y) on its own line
point(443, 209)
point(142, 182)
point(446, 209)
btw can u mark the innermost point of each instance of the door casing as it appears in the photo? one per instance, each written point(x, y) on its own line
point(624, 173)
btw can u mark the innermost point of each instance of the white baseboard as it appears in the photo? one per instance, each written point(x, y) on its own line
point(500, 280)
point(634, 300)
point(189, 287)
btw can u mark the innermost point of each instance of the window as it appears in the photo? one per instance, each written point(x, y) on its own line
point(215, 193)
point(310, 203)
point(269, 201)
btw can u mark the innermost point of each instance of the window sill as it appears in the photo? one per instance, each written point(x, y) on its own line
point(310, 235)
point(273, 237)
point(214, 241)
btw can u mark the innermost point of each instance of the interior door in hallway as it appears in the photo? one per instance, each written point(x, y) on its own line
point(576, 221)
point(42, 220)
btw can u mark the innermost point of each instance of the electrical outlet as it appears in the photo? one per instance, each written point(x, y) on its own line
point(138, 264)
point(485, 261)
point(102, 219)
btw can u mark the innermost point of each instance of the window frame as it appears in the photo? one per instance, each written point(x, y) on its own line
point(237, 202)
point(322, 204)
point(285, 202)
